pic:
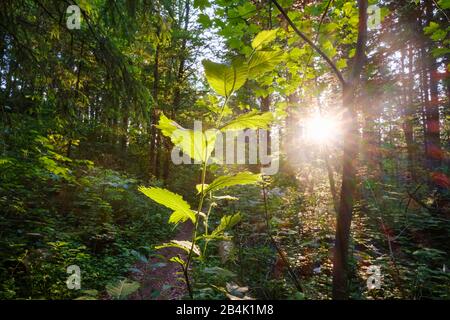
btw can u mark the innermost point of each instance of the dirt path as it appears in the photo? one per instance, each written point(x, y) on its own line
point(162, 280)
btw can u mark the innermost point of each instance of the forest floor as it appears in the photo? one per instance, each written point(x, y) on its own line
point(162, 279)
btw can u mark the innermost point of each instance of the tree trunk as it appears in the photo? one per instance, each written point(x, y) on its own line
point(153, 120)
point(432, 134)
point(348, 188)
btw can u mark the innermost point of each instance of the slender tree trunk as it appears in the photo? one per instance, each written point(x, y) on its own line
point(154, 114)
point(409, 114)
point(177, 92)
point(344, 218)
point(432, 135)
point(157, 165)
point(424, 89)
point(348, 188)
point(124, 133)
point(406, 107)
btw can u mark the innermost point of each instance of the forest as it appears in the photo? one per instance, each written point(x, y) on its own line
point(224, 149)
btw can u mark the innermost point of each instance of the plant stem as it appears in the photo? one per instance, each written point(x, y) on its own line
point(200, 205)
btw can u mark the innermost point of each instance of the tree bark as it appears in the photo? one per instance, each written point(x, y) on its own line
point(432, 134)
point(348, 188)
point(154, 114)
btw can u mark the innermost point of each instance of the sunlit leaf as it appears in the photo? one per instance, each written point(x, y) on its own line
point(178, 260)
point(237, 179)
point(263, 38)
point(263, 61)
point(198, 145)
point(226, 79)
point(199, 187)
point(251, 120)
point(184, 245)
point(227, 222)
point(182, 209)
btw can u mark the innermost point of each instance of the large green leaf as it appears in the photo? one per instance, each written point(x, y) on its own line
point(263, 38)
point(182, 209)
point(263, 61)
point(227, 222)
point(184, 245)
point(228, 181)
point(226, 79)
point(122, 289)
point(198, 145)
point(167, 126)
point(250, 120)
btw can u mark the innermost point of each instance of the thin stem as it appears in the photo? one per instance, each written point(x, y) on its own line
point(200, 205)
point(206, 228)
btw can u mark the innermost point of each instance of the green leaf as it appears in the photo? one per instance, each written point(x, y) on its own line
point(204, 20)
point(431, 28)
point(352, 53)
point(178, 260)
point(226, 223)
point(237, 179)
point(201, 4)
point(226, 79)
point(444, 4)
point(296, 53)
point(182, 209)
point(167, 126)
point(184, 245)
point(196, 144)
point(341, 63)
point(329, 49)
point(440, 52)
point(226, 197)
point(263, 38)
point(122, 289)
point(263, 61)
point(246, 10)
point(221, 272)
point(251, 120)
point(199, 187)
point(439, 35)
point(5, 161)
point(330, 27)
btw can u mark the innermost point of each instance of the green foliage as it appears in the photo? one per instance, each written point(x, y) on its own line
point(122, 289)
point(196, 144)
point(264, 38)
point(227, 222)
point(237, 179)
point(81, 214)
point(79, 116)
point(250, 120)
point(181, 209)
point(184, 245)
point(226, 79)
point(263, 61)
